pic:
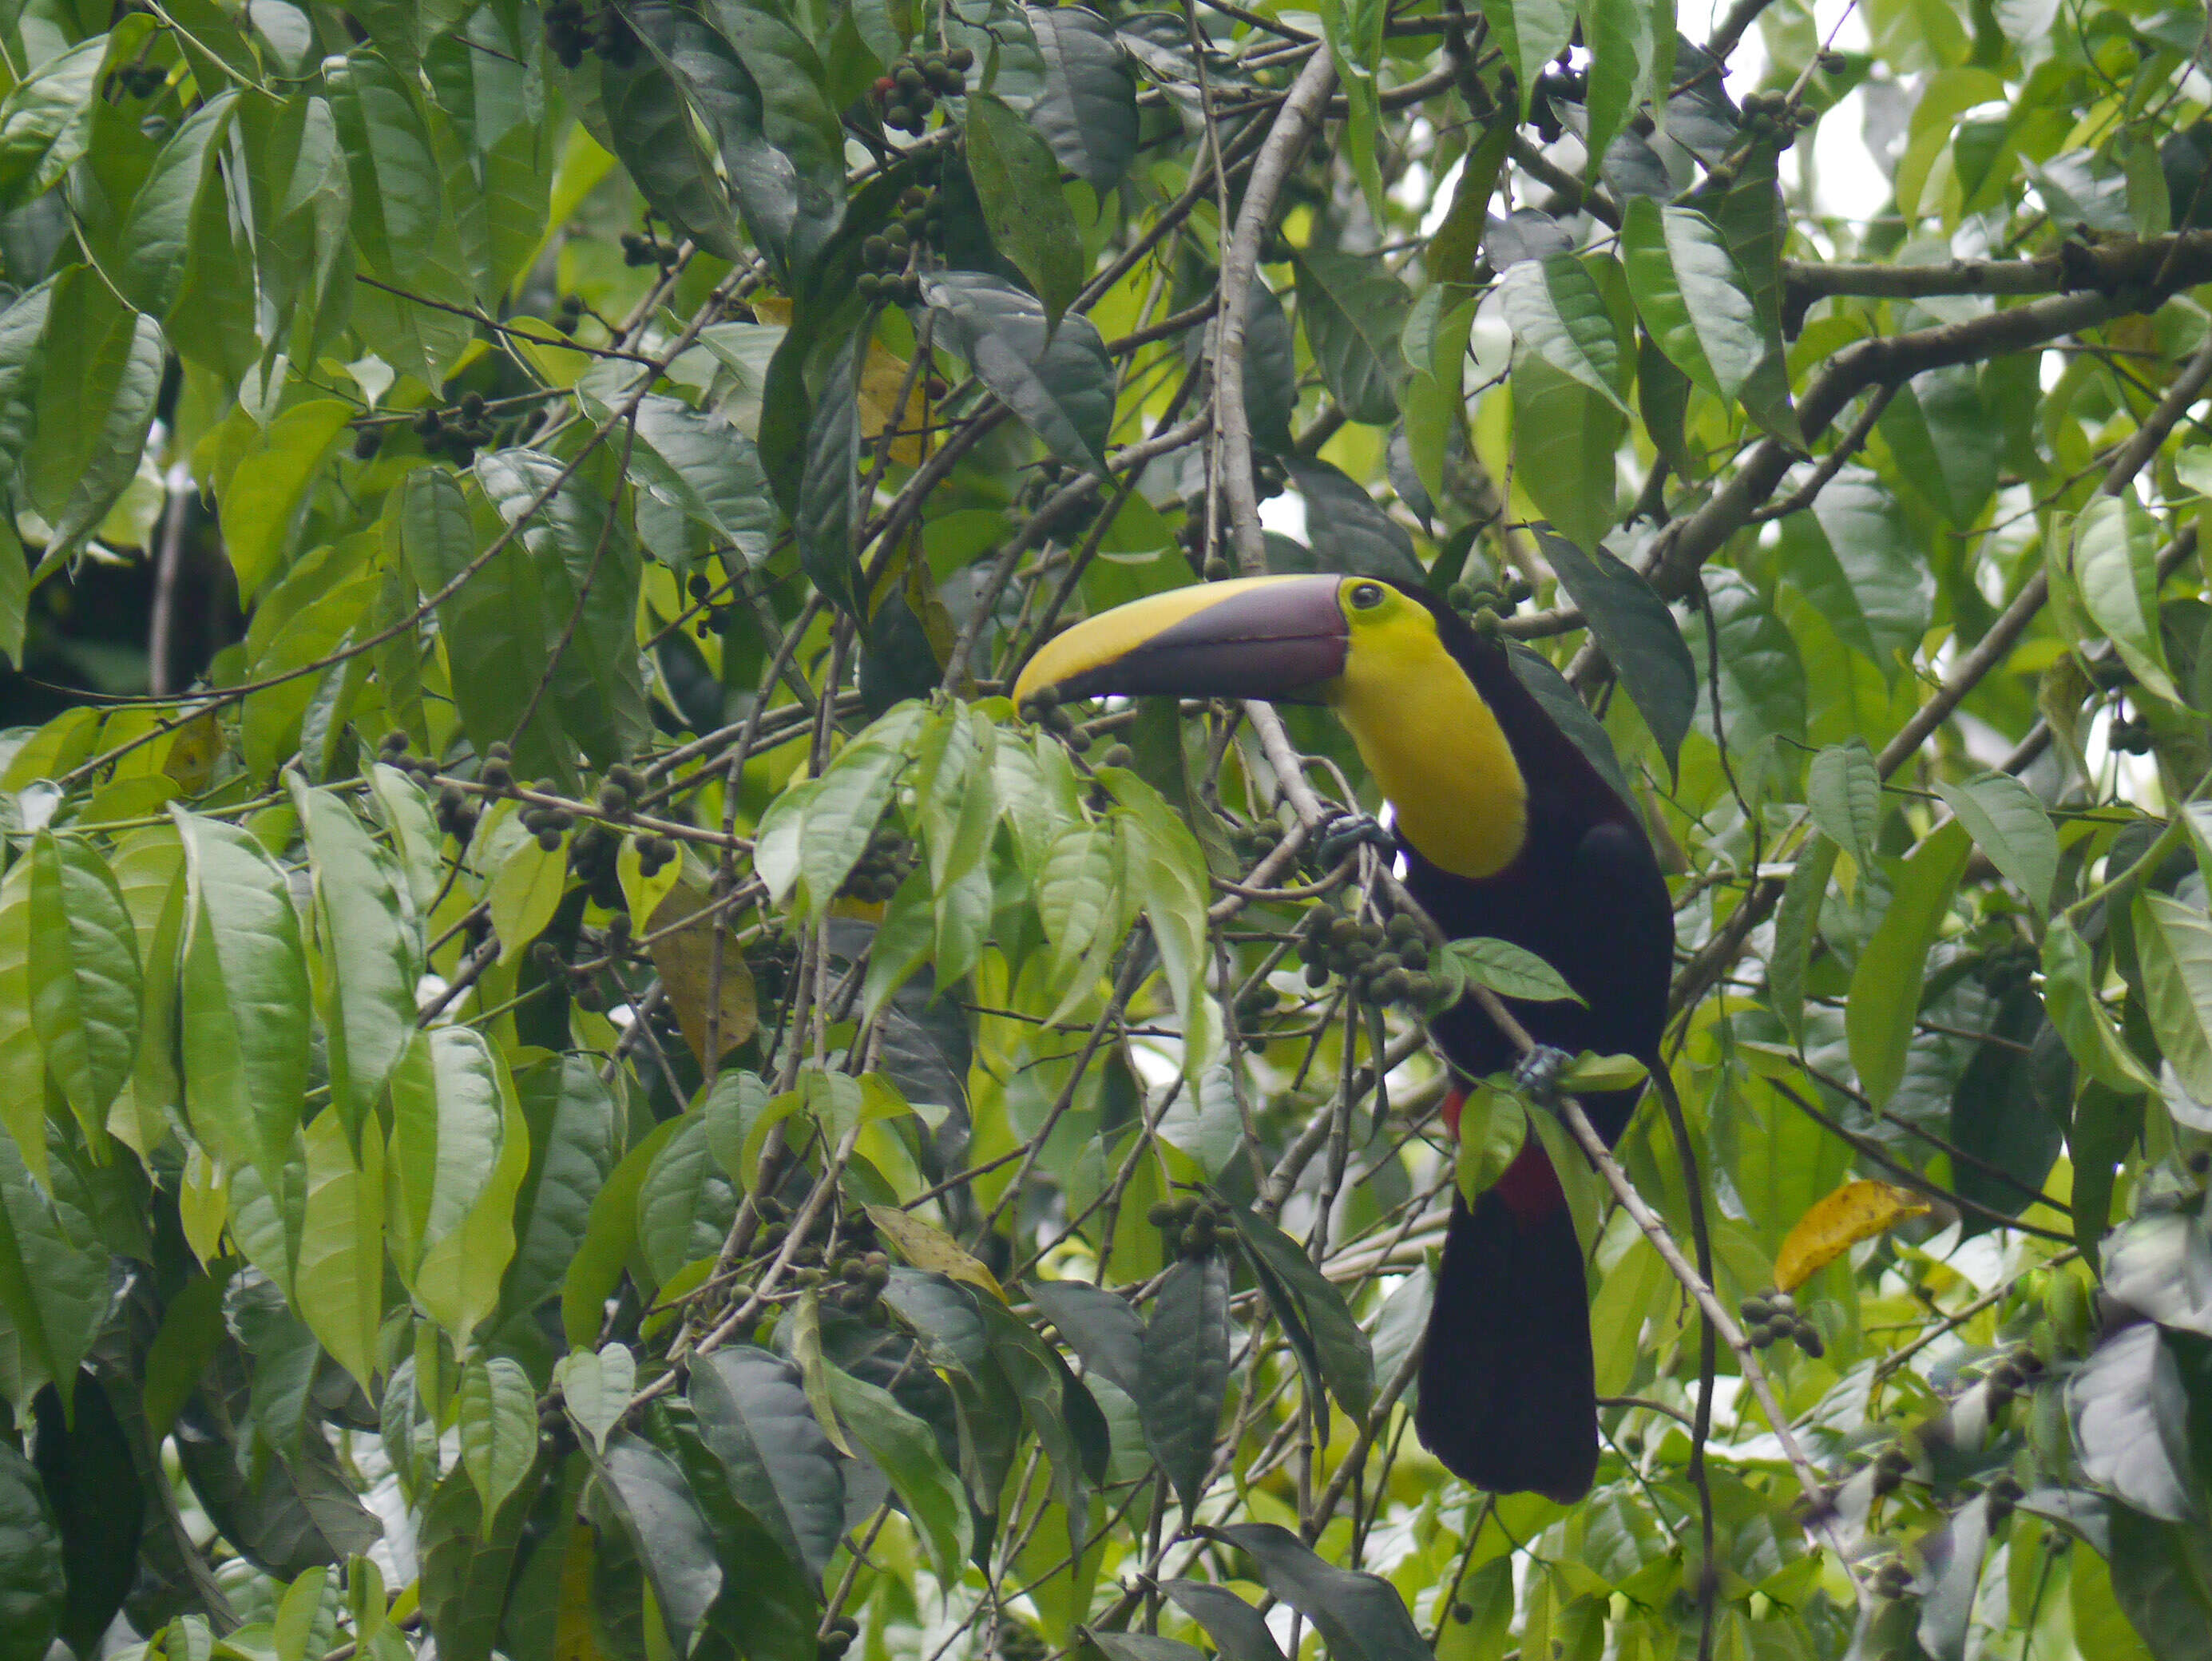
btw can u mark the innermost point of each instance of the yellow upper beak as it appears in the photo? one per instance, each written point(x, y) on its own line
point(1255, 638)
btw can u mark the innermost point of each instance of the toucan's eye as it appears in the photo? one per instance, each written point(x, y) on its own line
point(1366, 596)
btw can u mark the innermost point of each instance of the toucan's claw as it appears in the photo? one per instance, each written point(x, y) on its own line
point(1536, 1075)
point(1342, 832)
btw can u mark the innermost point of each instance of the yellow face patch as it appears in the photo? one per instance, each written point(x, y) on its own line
point(1425, 733)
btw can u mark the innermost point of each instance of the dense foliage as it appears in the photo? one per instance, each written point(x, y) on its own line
point(575, 1080)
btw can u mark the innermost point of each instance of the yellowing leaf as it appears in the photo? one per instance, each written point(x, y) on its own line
point(931, 1249)
point(193, 753)
point(685, 957)
point(1857, 1211)
point(881, 379)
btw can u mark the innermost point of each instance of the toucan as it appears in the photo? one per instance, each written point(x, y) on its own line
point(1504, 829)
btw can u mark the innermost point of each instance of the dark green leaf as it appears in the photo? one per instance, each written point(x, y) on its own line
point(1354, 312)
point(1762, 679)
point(667, 1528)
point(1891, 977)
point(1058, 382)
point(1855, 559)
point(46, 120)
point(1749, 212)
point(1018, 183)
point(906, 1449)
point(465, 1565)
point(1359, 1616)
point(753, 1414)
point(1549, 688)
point(571, 1118)
point(1238, 1631)
point(31, 1570)
point(829, 491)
point(1100, 1327)
point(1557, 311)
point(2162, 1576)
point(1145, 1647)
point(1349, 532)
point(1182, 1372)
point(1347, 1359)
point(1951, 1557)
point(1947, 441)
point(2001, 1111)
point(798, 119)
point(92, 1484)
point(1638, 632)
point(1691, 295)
point(2131, 1419)
point(1088, 109)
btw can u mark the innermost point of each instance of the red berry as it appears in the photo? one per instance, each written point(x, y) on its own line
point(884, 87)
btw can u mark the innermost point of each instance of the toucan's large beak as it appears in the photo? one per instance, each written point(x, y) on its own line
point(1256, 637)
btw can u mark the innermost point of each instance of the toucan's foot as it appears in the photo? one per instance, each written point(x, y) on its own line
point(1342, 832)
point(1536, 1076)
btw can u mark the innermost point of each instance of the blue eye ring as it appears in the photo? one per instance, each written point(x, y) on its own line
point(1366, 596)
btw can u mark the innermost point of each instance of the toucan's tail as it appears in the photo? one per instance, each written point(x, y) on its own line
point(1508, 1400)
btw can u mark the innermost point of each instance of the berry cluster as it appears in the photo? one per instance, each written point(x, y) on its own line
point(911, 91)
point(1893, 1579)
point(639, 250)
point(136, 80)
point(457, 814)
point(1255, 841)
point(2130, 738)
point(1771, 1316)
point(1385, 963)
point(1043, 482)
point(1192, 1228)
point(458, 432)
point(2002, 1382)
point(1771, 115)
point(1482, 595)
point(892, 258)
point(568, 314)
point(583, 977)
point(570, 33)
point(850, 1270)
point(1043, 708)
point(882, 868)
point(839, 1638)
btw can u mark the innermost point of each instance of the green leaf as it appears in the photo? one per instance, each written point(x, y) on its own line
point(570, 1119)
point(1018, 182)
point(1087, 111)
point(1891, 977)
point(1350, 533)
point(905, 1450)
point(372, 951)
point(2070, 995)
point(698, 461)
point(1359, 1616)
point(398, 195)
point(685, 1204)
point(1558, 313)
point(1564, 436)
point(2115, 568)
point(828, 508)
point(1058, 382)
point(1168, 871)
point(1353, 312)
point(45, 122)
point(84, 977)
point(1762, 687)
point(1638, 632)
point(1751, 216)
point(1510, 970)
point(596, 1388)
point(753, 1414)
point(2173, 943)
point(499, 610)
point(157, 229)
point(1146, 1647)
point(1842, 792)
point(1631, 53)
point(650, 124)
point(2130, 1420)
point(498, 1420)
point(799, 119)
point(339, 1284)
point(2161, 1577)
point(260, 504)
point(1691, 295)
point(459, 1152)
point(1565, 706)
point(1856, 557)
point(96, 395)
point(1238, 1631)
point(1101, 1328)
point(1530, 33)
point(1182, 1372)
point(1947, 442)
point(667, 1528)
point(1348, 1361)
point(586, 574)
point(31, 1587)
point(2012, 827)
point(244, 1013)
point(1797, 920)
point(53, 1277)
